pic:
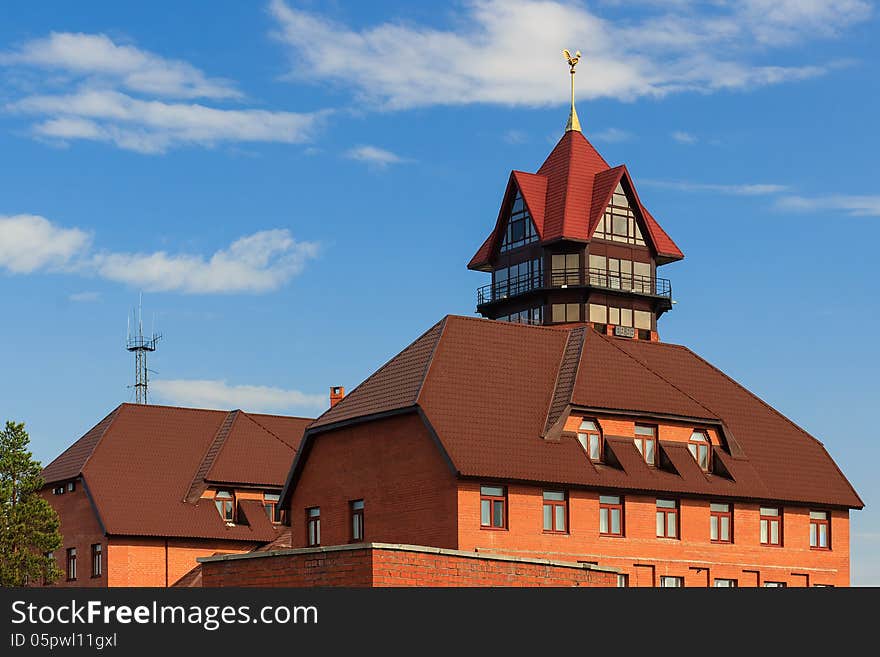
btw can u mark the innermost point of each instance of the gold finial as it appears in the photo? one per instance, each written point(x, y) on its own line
point(573, 122)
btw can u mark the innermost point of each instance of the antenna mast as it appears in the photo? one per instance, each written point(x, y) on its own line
point(140, 345)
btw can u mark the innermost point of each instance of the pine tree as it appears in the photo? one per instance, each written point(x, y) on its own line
point(28, 523)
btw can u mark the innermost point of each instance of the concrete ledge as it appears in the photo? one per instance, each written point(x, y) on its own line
point(401, 547)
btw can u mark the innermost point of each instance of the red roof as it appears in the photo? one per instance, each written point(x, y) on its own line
point(568, 195)
point(488, 390)
point(145, 466)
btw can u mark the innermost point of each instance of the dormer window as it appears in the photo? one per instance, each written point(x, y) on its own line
point(646, 442)
point(590, 438)
point(225, 502)
point(270, 504)
point(520, 228)
point(699, 448)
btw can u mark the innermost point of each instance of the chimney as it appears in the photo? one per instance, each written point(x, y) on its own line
point(336, 395)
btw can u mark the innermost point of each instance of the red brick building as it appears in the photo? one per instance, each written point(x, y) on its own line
point(151, 488)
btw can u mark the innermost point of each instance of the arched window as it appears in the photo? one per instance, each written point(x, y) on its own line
point(225, 502)
point(590, 438)
point(699, 445)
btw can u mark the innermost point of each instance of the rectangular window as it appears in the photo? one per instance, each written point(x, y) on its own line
point(721, 523)
point(775, 585)
point(598, 314)
point(313, 526)
point(590, 439)
point(58, 490)
point(71, 564)
point(610, 515)
point(643, 320)
point(622, 581)
point(565, 269)
point(357, 521)
point(667, 519)
point(771, 526)
point(671, 582)
point(97, 566)
point(270, 504)
point(725, 583)
point(646, 442)
point(555, 512)
point(820, 530)
point(225, 503)
point(71, 486)
point(493, 507)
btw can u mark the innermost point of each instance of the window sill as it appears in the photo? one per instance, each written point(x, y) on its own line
point(493, 529)
point(612, 536)
point(721, 542)
point(821, 549)
point(551, 532)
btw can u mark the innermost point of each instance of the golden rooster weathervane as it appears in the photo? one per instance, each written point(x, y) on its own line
point(573, 122)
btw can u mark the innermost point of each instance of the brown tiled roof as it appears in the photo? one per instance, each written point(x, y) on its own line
point(487, 387)
point(142, 462)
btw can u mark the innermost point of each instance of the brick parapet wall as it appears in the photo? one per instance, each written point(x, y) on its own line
point(383, 565)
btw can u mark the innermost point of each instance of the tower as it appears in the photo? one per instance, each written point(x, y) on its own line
point(140, 345)
point(574, 244)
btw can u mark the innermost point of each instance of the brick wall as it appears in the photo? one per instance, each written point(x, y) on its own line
point(394, 565)
point(80, 529)
point(393, 465)
point(644, 557)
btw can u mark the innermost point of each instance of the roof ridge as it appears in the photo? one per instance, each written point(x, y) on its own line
point(112, 418)
point(775, 411)
point(179, 408)
point(278, 415)
point(108, 419)
point(197, 486)
point(430, 362)
point(269, 431)
point(570, 360)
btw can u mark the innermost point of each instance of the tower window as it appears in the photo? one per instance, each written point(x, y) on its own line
point(699, 448)
point(517, 278)
point(618, 224)
point(520, 227)
point(646, 442)
point(493, 507)
point(224, 500)
point(590, 438)
point(566, 312)
point(565, 269)
point(771, 525)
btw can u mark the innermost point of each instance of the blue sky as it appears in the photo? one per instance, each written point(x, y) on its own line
point(297, 187)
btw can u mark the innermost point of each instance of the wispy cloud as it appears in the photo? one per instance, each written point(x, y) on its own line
point(374, 156)
point(854, 205)
point(746, 189)
point(514, 137)
point(260, 262)
point(211, 393)
point(612, 135)
point(507, 51)
point(29, 242)
point(80, 297)
point(683, 137)
point(137, 100)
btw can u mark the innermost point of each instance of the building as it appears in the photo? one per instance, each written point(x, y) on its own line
point(564, 432)
point(149, 489)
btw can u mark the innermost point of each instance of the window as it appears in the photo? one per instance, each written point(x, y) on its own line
point(725, 583)
point(622, 581)
point(225, 503)
point(721, 523)
point(566, 312)
point(273, 510)
point(820, 530)
point(58, 490)
point(520, 228)
point(357, 521)
point(565, 269)
point(528, 316)
point(774, 585)
point(313, 526)
point(610, 515)
point(699, 446)
point(517, 278)
point(97, 554)
point(590, 438)
point(771, 525)
point(493, 507)
point(598, 314)
point(71, 564)
point(71, 486)
point(667, 519)
point(619, 224)
point(646, 442)
point(555, 513)
point(671, 582)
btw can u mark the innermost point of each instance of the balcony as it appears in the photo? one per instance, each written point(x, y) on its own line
point(601, 279)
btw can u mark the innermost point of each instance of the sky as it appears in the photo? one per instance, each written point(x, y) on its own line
point(295, 189)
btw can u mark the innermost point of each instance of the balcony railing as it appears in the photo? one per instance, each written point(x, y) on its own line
point(562, 278)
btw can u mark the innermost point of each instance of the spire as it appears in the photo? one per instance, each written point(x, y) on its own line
point(573, 122)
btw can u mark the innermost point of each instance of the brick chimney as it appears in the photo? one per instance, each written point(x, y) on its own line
point(336, 395)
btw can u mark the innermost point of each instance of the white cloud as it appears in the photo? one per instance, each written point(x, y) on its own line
point(99, 57)
point(80, 297)
point(30, 242)
point(612, 135)
point(210, 393)
point(748, 189)
point(374, 156)
point(515, 137)
point(260, 262)
point(508, 51)
point(683, 137)
point(154, 126)
point(853, 205)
